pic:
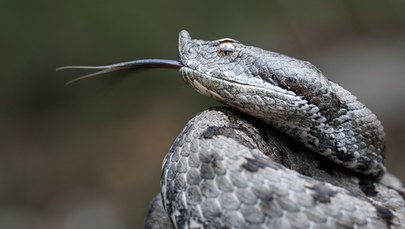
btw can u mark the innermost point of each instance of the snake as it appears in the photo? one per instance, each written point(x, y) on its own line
point(290, 148)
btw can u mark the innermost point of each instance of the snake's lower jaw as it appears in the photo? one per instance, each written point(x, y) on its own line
point(190, 78)
point(204, 91)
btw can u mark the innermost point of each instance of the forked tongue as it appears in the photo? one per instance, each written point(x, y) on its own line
point(135, 64)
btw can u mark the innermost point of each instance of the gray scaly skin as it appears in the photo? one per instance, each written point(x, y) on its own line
point(227, 170)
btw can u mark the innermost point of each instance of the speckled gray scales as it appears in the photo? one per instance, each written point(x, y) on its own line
point(217, 175)
point(313, 156)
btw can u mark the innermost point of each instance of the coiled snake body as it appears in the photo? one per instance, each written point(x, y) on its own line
point(293, 150)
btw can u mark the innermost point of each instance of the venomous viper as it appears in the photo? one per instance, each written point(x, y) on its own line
point(291, 149)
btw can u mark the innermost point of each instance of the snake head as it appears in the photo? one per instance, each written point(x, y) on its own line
point(246, 77)
point(229, 62)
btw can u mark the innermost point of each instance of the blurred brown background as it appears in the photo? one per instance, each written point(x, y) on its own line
point(89, 155)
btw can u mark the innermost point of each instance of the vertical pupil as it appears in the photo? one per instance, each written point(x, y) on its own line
point(226, 49)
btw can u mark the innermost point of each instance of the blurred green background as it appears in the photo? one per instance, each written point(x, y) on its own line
point(89, 155)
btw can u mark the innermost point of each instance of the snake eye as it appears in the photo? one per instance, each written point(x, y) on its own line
point(226, 48)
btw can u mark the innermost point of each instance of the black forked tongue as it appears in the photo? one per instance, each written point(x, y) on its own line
point(135, 64)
